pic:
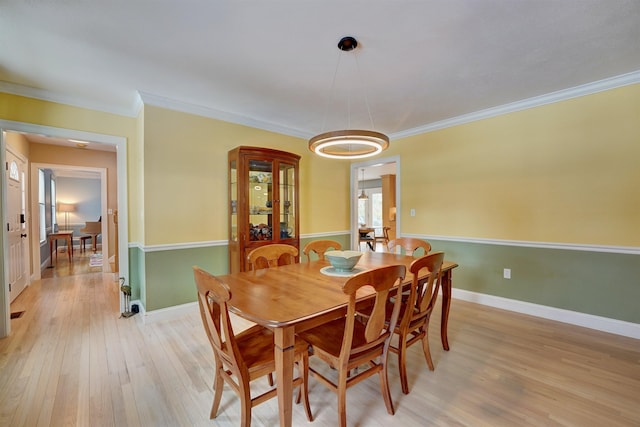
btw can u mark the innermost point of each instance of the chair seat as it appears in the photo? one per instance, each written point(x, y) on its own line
point(256, 346)
point(328, 338)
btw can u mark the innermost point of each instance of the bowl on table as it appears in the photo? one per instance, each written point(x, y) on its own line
point(343, 260)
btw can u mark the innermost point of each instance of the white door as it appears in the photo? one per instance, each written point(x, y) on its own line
point(16, 225)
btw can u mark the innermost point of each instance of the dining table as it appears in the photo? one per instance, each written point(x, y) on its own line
point(367, 235)
point(66, 235)
point(292, 298)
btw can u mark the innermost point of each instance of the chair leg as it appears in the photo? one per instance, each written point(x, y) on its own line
point(245, 405)
point(384, 388)
point(270, 379)
point(342, 398)
point(304, 387)
point(218, 384)
point(425, 348)
point(402, 363)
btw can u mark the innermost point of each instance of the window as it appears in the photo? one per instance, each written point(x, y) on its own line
point(370, 210)
point(41, 203)
point(54, 217)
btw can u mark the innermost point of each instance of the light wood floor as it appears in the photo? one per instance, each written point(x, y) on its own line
point(71, 360)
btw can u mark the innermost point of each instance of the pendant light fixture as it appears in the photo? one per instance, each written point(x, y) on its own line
point(349, 143)
point(362, 195)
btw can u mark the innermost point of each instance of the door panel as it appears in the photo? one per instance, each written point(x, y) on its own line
point(16, 225)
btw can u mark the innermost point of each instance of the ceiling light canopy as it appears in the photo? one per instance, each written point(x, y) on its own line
point(349, 143)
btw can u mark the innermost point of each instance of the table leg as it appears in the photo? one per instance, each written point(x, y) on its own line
point(284, 339)
point(51, 252)
point(70, 247)
point(446, 304)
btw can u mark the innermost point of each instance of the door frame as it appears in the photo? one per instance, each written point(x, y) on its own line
point(120, 143)
point(355, 167)
point(35, 253)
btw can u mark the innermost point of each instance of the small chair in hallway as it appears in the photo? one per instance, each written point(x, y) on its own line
point(384, 239)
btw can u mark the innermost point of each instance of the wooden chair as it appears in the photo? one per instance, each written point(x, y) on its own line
point(272, 256)
point(408, 245)
point(413, 325)
point(384, 239)
point(347, 343)
point(244, 357)
point(320, 247)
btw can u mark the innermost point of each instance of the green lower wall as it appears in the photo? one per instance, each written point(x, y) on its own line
point(161, 279)
point(598, 283)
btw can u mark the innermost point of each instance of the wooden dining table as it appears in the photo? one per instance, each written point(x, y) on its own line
point(293, 298)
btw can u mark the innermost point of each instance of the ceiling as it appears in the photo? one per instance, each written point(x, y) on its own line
point(271, 64)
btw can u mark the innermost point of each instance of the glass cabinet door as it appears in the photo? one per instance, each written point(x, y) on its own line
point(287, 208)
point(233, 196)
point(260, 200)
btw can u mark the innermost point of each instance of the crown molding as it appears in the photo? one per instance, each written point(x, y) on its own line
point(45, 95)
point(212, 113)
point(142, 98)
point(536, 101)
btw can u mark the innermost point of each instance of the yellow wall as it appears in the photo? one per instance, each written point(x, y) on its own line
point(566, 172)
point(45, 113)
point(185, 176)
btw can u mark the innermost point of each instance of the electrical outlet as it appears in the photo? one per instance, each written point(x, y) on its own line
point(412, 212)
point(506, 273)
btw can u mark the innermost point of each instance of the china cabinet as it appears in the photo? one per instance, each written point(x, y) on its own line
point(263, 201)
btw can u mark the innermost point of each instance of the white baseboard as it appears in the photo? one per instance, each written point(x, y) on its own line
point(168, 313)
point(605, 324)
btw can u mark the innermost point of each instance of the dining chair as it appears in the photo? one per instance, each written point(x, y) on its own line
point(271, 256)
point(347, 342)
point(320, 247)
point(408, 245)
point(384, 239)
point(413, 324)
point(244, 357)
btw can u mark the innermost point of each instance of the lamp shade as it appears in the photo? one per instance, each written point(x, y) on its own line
point(66, 207)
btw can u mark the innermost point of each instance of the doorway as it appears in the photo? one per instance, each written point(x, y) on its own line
point(82, 180)
point(120, 144)
point(370, 208)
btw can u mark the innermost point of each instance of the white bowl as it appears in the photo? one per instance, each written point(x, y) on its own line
point(343, 260)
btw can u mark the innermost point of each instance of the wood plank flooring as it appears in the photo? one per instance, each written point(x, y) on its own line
point(72, 361)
